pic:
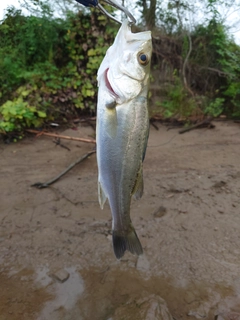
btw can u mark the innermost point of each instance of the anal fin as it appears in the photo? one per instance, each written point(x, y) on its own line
point(139, 186)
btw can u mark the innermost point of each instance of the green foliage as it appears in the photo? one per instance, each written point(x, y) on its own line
point(208, 82)
point(215, 51)
point(177, 102)
point(24, 43)
point(232, 94)
point(18, 114)
point(87, 41)
point(49, 65)
point(215, 107)
point(213, 69)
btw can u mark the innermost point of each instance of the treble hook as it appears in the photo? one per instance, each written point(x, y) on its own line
point(113, 3)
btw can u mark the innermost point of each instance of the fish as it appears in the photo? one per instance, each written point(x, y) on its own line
point(122, 130)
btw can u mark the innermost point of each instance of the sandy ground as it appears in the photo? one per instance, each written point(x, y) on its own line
point(188, 222)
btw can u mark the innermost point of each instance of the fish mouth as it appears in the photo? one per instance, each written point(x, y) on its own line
point(109, 86)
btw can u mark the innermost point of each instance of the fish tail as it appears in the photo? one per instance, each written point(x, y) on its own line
point(126, 240)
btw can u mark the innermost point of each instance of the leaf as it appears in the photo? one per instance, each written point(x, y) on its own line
point(25, 93)
point(91, 52)
point(42, 114)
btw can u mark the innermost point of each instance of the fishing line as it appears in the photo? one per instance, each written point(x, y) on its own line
point(162, 144)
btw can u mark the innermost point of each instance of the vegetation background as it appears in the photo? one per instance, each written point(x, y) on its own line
point(48, 62)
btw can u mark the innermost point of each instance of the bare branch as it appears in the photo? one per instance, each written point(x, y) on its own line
point(220, 73)
point(185, 65)
point(39, 133)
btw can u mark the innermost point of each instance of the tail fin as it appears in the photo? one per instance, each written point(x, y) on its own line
point(126, 240)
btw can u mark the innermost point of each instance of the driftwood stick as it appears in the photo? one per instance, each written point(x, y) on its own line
point(197, 125)
point(60, 136)
point(154, 125)
point(41, 185)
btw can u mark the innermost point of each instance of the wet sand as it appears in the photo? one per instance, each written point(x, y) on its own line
point(188, 222)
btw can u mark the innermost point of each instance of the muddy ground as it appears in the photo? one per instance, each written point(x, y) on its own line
point(188, 222)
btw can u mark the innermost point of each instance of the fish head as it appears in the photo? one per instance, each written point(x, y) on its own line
point(126, 67)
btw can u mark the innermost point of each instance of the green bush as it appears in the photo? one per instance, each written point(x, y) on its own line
point(218, 60)
point(18, 114)
point(177, 102)
point(215, 107)
point(48, 66)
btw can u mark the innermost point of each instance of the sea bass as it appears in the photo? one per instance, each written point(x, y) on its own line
point(122, 130)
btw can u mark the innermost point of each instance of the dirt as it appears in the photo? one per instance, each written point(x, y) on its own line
point(188, 222)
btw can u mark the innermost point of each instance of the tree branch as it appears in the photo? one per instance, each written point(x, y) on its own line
point(217, 70)
point(185, 65)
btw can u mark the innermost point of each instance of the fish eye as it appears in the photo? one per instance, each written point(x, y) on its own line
point(143, 59)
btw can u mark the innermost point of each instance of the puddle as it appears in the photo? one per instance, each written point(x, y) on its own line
point(108, 290)
point(42, 276)
point(66, 294)
point(103, 294)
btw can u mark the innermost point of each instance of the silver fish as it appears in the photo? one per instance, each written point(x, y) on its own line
point(122, 130)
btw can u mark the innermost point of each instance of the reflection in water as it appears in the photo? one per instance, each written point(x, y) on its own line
point(106, 293)
point(66, 294)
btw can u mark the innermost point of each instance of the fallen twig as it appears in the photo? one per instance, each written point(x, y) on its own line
point(41, 185)
point(206, 122)
point(60, 136)
point(84, 120)
point(154, 125)
point(58, 143)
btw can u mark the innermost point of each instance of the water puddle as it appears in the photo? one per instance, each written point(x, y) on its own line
point(108, 290)
point(66, 294)
point(103, 294)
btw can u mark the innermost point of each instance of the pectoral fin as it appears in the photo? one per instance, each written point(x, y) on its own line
point(138, 187)
point(111, 114)
point(101, 195)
